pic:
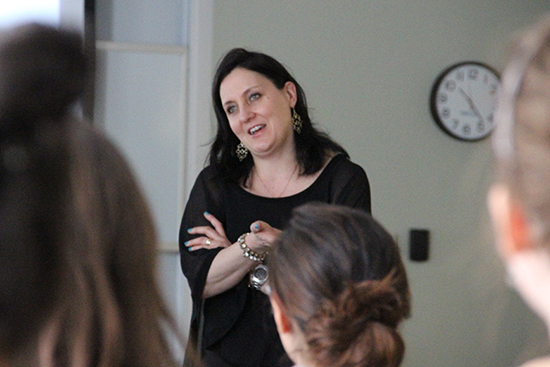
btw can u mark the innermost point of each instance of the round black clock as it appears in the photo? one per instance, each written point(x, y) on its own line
point(463, 100)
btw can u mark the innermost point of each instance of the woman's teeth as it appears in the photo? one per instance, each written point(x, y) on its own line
point(255, 128)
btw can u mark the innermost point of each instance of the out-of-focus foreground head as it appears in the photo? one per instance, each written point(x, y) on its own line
point(77, 242)
point(42, 74)
point(339, 289)
point(519, 199)
point(522, 138)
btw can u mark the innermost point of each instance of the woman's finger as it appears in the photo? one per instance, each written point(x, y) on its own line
point(218, 226)
point(258, 226)
point(202, 242)
point(206, 231)
point(264, 233)
point(216, 239)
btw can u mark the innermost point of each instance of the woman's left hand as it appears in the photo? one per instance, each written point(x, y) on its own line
point(264, 234)
point(213, 237)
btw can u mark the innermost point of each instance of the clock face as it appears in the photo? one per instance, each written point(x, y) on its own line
point(463, 100)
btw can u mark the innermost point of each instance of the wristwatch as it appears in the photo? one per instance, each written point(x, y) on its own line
point(258, 276)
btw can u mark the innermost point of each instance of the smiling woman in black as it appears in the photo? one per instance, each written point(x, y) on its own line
point(266, 160)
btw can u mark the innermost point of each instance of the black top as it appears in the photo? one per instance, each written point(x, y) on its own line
point(238, 324)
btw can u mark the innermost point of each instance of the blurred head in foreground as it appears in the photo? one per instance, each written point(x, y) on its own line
point(519, 199)
point(338, 289)
point(77, 242)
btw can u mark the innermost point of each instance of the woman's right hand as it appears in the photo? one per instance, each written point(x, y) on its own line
point(229, 266)
point(213, 236)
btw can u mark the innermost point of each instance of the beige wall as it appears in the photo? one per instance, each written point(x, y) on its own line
point(367, 68)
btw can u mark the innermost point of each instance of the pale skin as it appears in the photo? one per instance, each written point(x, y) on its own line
point(512, 230)
point(259, 115)
point(519, 247)
point(291, 335)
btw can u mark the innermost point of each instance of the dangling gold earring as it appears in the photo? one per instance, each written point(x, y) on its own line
point(296, 121)
point(242, 152)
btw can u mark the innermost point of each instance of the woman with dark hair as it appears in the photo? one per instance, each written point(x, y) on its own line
point(267, 158)
point(77, 242)
point(339, 289)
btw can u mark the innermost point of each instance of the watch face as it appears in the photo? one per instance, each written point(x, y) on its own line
point(260, 273)
point(463, 100)
point(258, 276)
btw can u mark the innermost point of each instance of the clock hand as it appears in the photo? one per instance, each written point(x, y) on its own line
point(471, 103)
point(477, 112)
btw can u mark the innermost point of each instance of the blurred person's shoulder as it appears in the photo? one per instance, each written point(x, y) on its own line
point(539, 362)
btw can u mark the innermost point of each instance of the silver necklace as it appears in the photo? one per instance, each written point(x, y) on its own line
point(284, 188)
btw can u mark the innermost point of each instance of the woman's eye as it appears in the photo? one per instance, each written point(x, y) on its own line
point(231, 109)
point(254, 96)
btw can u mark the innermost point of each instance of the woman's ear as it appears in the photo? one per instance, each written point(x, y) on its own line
point(290, 90)
point(519, 227)
point(512, 232)
point(284, 325)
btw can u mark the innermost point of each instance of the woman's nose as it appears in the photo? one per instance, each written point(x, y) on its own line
point(246, 114)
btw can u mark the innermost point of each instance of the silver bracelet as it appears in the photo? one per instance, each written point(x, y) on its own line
point(247, 252)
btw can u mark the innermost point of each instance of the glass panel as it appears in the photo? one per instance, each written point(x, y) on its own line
point(142, 21)
point(71, 14)
point(140, 103)
point(176, 294)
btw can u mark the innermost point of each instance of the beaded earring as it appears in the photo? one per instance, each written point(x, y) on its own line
point(241, 151)
point(296, 121)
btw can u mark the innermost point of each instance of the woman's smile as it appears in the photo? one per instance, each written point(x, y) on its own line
point(256, 128)
point(256, 108)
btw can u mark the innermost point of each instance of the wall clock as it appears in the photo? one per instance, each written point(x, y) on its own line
point(463, 100)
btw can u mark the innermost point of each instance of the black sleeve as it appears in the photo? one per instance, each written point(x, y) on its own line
point(223, 310)
point(350, 186)
point(205, 196)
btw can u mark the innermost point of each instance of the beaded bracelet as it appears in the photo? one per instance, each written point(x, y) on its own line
point(247, 252)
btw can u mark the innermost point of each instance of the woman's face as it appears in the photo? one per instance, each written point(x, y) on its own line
point(259, 113)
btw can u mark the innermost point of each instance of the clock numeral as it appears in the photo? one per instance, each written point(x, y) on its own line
point(463, 99)
point(450, 85)
point(480, 127)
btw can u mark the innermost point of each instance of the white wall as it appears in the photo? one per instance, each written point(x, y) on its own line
point(16, 12)
point(367, 68)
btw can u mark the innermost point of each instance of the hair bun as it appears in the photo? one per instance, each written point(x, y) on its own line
point(363, 303)
point(375, 301)
point(365, 314)
point(43, 73)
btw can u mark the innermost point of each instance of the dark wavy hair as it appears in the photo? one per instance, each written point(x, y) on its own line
point(77, 241)
point(339, 275)
point(311, 144)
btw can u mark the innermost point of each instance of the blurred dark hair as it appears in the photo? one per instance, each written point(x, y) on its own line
point(43, 73)
point(77, 241)
point(312, 145)
point(339, 275)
